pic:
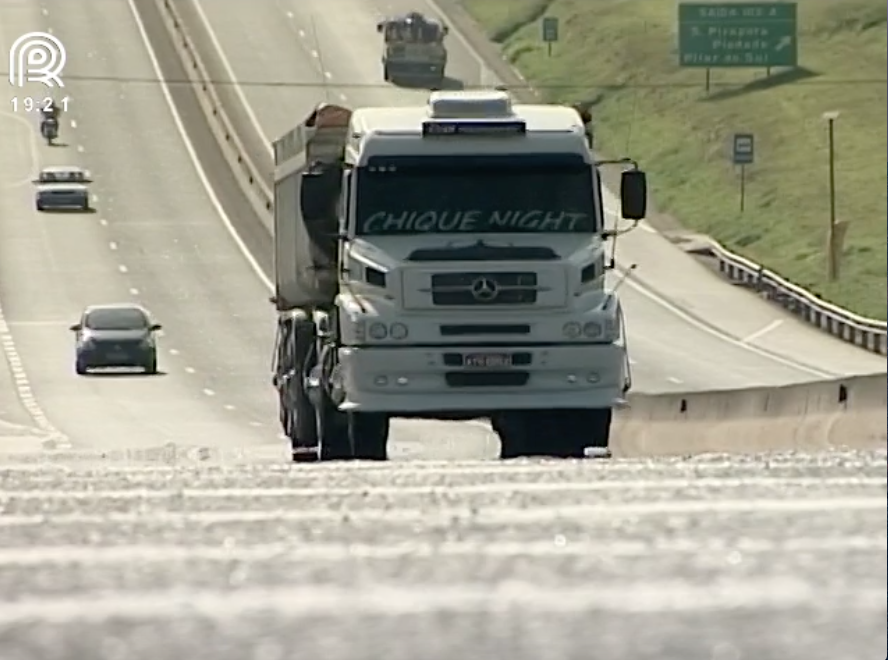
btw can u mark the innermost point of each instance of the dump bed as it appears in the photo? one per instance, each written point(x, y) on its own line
point(305, 252)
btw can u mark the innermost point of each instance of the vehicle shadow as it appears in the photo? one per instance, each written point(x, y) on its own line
point(448, 84)
point(122, 373)
point(70, 211)
point(60, 145)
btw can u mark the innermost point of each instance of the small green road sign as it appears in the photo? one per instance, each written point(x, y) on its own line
point(550, 29)
point(744, 148)
point(735, 34)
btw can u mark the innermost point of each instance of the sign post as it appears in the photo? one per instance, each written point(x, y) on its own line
point(743, 155)
point(550, 32)
point(737, 35)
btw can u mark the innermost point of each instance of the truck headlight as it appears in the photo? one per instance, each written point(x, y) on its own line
point(572, 330)
point(379, 331)
point(592, 330)
point(398, 331)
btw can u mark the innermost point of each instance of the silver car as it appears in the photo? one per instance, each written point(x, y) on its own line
point(62, 187)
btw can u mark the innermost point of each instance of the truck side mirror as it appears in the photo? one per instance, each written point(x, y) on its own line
point(633, 194)
point(379, 27)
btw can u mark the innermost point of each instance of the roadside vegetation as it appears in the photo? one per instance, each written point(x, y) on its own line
point(621, 57)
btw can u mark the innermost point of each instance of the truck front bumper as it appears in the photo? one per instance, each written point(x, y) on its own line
point(423, 380)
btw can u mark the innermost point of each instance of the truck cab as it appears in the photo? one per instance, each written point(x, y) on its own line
point(471, 261)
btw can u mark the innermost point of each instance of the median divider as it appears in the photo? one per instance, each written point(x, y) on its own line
point(839, 413)
point(249, 174)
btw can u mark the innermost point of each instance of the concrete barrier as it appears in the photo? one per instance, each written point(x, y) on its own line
point(830, 414)
point(842, 413)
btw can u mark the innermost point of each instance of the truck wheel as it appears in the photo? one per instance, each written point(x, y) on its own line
point(333, 433)
point(386, 74)
point(368, 433)
point(298, 414)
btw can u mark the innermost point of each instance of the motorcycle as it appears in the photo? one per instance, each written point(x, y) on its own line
point(49, 129)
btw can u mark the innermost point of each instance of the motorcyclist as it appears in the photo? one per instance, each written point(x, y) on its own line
point(51, 110)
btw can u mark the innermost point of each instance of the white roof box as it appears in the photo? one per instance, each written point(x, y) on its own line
point(480, 104)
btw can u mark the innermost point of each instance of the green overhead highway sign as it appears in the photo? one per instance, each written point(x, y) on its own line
point(735, 34)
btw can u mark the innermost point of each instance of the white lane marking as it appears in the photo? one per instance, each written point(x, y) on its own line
point(80, 149)
point(674, 380)
point(103, 222)
point(485, 75)
point(315, 54)
point(343, 97)
point(73, 123)
point(189, 370)
point(619, 485)
point(22, 385)
point(328, 75)
point(112, 245)
point(288, 602)
point(209, 392)
point(301, 32)
point(229, 407)
point(134, 292)
point(44, 11)
point(723, 336)
point(758, 334)
point(559, 546)
point(174, 351)
point(122, 268)
point(229, 71)
point(192, 154)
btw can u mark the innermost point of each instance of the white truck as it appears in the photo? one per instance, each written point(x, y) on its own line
point(446, 261)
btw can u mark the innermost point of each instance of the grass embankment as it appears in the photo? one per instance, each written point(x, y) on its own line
point(623, 54)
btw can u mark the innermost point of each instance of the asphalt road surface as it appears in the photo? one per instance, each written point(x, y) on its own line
point(157, 517)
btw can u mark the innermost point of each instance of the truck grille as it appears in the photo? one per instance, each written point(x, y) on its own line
point(470, 289)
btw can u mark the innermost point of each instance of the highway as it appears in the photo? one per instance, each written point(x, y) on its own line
point(289, 55)
point(156, 517)
point(155, 238)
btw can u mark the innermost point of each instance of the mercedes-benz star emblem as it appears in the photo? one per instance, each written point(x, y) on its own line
point(484, 289)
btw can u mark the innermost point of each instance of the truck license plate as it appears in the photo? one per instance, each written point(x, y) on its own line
point(487, 360)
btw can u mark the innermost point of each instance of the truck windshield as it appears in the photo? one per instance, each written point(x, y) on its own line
point(454, 195)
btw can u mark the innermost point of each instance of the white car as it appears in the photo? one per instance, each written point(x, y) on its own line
point(62, 187)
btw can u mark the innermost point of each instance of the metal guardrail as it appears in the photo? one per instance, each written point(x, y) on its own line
point(250, 175)
point(868, 334)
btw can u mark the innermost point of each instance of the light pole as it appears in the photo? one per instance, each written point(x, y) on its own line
point(831, 243)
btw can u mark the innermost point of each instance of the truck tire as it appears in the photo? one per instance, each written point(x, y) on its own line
point(300, 424)
point(368, 433)
point(552, 433)
point(333, 433)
